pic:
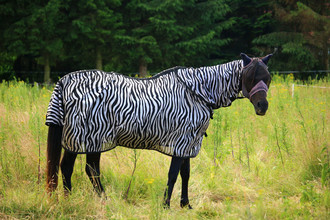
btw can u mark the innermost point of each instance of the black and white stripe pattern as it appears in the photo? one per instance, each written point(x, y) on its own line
point(169, 112)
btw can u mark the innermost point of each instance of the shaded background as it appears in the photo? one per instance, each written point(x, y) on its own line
point(43, 40)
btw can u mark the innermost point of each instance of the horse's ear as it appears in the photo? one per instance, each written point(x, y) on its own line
point(246, 59)
point(266, 58)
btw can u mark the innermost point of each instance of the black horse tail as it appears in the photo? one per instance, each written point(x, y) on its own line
point(53, 156)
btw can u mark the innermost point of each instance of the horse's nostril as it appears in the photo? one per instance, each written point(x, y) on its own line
point(262, 105)
point(259, 104)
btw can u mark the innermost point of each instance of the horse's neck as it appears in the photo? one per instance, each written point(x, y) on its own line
point(217, 85)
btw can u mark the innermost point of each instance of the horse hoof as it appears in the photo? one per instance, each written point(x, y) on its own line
point(185, 205)
point(166, 205)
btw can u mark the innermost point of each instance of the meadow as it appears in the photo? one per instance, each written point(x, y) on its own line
point(249, 167)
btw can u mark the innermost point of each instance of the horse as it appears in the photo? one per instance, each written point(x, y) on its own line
point(91, 112)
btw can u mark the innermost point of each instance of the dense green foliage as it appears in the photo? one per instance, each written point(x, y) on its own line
point(250, 167)
point(51, 38)
point(301, 33)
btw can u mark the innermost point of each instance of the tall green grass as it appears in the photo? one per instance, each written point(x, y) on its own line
point(270, 167)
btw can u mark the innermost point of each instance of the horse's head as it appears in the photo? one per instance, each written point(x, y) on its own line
point(255, 82)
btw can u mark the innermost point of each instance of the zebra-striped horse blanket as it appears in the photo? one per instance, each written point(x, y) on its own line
point(168, 112)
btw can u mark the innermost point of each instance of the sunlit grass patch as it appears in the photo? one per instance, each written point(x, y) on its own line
point(272, 167)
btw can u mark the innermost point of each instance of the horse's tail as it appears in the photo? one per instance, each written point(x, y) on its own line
point(53, 156)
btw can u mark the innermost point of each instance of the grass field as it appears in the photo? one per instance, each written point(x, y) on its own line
point(250, 167)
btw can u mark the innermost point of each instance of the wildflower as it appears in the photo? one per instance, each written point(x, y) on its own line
point(283, 90)
point(290, 76)
point(261, 191)
point(150, 181)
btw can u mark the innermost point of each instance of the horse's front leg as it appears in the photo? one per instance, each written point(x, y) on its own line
point(172, 176)
point(93, 171)
point(185, 174)
point(67, 164)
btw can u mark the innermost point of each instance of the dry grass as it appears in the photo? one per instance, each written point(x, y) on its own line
point(271, 167)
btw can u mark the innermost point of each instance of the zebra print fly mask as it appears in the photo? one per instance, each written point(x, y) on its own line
point(168, 112)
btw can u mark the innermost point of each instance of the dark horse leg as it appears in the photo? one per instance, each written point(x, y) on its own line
point(183, 166)
point(185, 174)
point(67, 164)
point(93, 171)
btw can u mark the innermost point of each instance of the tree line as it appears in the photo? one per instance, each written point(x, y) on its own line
point(42, 40)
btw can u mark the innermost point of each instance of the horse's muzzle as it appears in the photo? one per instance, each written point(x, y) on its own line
point(261, 107)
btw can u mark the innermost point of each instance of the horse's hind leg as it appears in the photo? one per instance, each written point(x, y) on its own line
point(172, 176)
point(185, 173)
point(93, 171)
point(67, 164)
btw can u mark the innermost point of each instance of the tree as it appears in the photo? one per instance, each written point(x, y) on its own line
point(34, 30)
point(252, 18)
point(166, 33)
point(193, 30)
point(138, 43)
point(92, 29)
point(302, 35)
